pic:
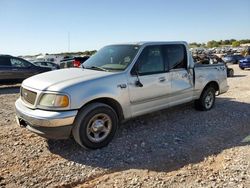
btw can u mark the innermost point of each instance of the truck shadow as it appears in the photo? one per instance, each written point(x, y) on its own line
point(238, 76)
point(167, 140)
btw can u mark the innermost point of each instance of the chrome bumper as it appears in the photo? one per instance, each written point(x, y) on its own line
point(43, 118)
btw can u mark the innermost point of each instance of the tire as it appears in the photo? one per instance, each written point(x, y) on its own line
point(231, 73)
point(95, 126)
point(206, 100)
point(242, 68)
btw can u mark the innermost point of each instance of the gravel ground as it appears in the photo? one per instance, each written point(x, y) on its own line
point(177, 147)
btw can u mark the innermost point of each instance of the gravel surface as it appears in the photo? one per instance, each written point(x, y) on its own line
point(177, 147)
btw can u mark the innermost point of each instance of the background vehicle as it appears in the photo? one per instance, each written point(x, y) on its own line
point(73, 62)
point(213, 59)
point(119, 82)
point(233, 58)
point(16, 69)
point(245, 63)
point(48, 64)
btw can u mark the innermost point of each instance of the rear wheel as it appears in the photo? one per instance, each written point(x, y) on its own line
point(206, 100)
point(95, 126)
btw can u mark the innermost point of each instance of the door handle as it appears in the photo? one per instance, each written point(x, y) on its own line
point(162, 79)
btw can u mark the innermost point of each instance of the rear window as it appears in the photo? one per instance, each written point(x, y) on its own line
point(175, 55)
point(5, 62)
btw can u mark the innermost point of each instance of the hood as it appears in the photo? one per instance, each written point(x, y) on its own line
point(63, 78)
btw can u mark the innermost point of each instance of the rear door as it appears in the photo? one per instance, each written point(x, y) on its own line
point(6, 70)
point(181, 77)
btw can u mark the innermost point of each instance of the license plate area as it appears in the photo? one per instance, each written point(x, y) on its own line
point(21, 122)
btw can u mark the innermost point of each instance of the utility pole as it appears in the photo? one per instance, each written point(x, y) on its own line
point(68, 41)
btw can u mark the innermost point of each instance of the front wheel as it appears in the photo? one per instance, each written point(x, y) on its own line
point(95, 126)
point(206, 100)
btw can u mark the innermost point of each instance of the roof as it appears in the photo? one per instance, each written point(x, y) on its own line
point(140, 43)
point(4, 55)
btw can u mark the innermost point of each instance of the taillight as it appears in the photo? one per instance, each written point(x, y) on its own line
point(76, 63)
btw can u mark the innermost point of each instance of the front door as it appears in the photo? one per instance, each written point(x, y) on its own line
point(149, 82)
point(23, 68)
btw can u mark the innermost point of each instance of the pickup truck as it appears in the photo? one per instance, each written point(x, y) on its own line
point(118, 83)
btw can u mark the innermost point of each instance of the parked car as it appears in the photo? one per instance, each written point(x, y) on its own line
point(73, 62)
point(245, 63)
point(48, 64)
point(119, 82)
point(233, 58)
point(17, 69)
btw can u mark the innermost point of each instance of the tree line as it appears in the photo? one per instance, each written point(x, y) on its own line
point(214, 43)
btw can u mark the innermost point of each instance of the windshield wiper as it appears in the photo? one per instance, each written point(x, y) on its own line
point(96, 68)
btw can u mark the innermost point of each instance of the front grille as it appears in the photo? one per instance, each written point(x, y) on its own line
point(28, 96)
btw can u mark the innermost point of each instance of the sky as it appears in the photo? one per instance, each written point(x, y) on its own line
point(29, 27)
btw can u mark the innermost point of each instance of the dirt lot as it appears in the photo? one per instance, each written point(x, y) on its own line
point(177, 147)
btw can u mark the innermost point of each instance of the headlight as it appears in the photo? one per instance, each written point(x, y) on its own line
point(54, 100)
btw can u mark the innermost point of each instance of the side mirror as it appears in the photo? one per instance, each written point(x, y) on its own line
point(135, 72)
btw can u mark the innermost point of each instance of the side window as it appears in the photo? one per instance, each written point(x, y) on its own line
point(150, 61)
point(175, 55)
point(19, 63)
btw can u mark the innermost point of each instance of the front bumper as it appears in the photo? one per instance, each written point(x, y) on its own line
point(49, 124)
point(224, 90)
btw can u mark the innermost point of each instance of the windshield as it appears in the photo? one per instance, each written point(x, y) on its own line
point(112, 58)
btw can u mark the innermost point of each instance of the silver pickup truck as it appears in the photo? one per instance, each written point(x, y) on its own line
point(118, 83)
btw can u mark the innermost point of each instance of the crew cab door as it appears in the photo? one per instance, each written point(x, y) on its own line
point(181, 77)
point(149, 82)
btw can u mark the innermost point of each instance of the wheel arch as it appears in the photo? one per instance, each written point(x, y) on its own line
point(110, 102)
point(212, 84)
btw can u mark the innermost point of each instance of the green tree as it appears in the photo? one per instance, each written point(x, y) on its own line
point(235, 43)
point(212, 44)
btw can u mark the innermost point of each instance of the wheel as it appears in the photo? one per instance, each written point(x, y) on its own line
point(206, 100)
point(242, 68)
point(95, 126)
point(231, 73)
